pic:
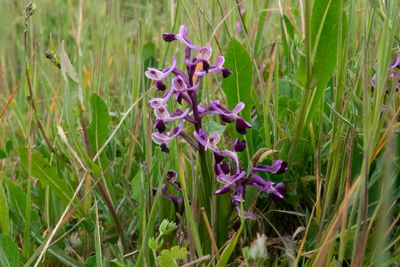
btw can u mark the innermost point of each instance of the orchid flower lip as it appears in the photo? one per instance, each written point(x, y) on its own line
point(160, 86)
point(160, 126)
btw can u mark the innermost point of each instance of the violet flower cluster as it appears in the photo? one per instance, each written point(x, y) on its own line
point(183, 90)
point(394, 72)
point(230, 173)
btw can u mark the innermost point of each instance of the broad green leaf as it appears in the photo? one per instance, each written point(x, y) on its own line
point(168, 257)
point(46, 174)
point(178, 252)
point(324, 38)
point(165, 260)
point(3, 154)
point(238, 86)
point(4, 211)
point(17, 202)
point(9, 254)
point(98, 127)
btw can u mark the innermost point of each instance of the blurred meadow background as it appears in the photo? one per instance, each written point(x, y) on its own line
point(79, 169)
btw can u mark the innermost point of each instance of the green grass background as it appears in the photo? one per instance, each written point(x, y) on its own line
point(312, 101)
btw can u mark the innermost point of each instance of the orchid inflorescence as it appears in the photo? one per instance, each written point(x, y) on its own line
point(183, 89)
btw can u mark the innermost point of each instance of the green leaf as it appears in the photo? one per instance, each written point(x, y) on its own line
point(4, 212)
point(178, 252)
point(324, 38)
point(238, 86)
point(3, 154)
point(153, 244)
point(168, 257)
point(46, 174)
point(91, 261)
point(9, 146)
point(226, 254)
point(98, 127)
point(16, 201)
point(165, 260)
point(9, 254)
point(213, 127)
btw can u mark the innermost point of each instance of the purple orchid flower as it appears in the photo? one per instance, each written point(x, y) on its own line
point(159, 76)
point(163, 139)
point(226, 115)
point(183, 91)
point(237, 179)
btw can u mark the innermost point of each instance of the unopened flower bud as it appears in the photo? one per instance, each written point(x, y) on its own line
point(226, 73)
point(169, 37)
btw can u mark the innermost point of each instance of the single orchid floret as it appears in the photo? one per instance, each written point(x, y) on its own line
point(229, 116)
point(264, 186)
point(214, 68)
point(181, 37)
point(278, 167)
point(229, 182)
point(159, 76)
point(162, 113)
point(163, 139)
point(178, 84)
point(212, 141)
point(218, 67)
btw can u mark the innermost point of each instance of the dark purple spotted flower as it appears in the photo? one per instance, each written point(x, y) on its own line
point(178, 105)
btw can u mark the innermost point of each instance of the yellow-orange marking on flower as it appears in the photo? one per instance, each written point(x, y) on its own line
point(199, 67)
